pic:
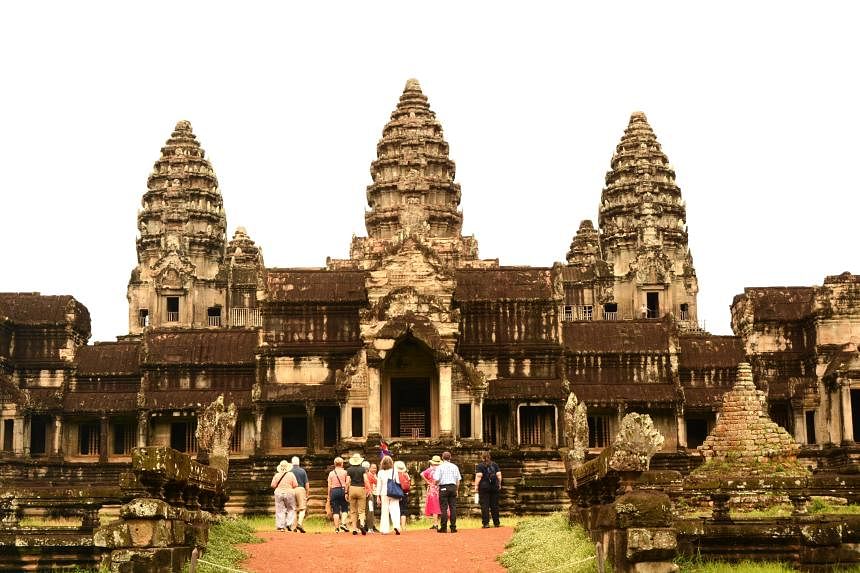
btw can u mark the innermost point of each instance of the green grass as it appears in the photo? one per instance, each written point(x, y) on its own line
point(548, 543)
point(741, 567)
point(223, 538)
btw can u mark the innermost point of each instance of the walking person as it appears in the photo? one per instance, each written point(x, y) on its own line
point(405, 484)
point(488, 483)
point(284, 482)
point(431, 507)
point(389, 506)
point(357, 498)
point(447, 477)
point(369, 488)
point(302, 493)
point(338, 484)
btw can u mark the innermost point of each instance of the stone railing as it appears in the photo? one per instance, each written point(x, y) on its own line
point(176, 499)
point(245, 317)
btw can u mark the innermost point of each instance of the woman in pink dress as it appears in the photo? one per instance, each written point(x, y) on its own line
point(432, 508)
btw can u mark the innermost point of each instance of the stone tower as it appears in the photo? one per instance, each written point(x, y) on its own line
point(413, 194)
point(180, 278)
point(643, 234)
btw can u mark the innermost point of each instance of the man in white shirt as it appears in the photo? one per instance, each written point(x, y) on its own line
point(447, 476)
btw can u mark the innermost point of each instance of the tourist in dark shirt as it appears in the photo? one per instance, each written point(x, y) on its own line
point(356, 495)
point(488, 483)
point(302, 493)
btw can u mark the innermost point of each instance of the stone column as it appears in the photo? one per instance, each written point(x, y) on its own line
point(104, 433)
point(310, 410)
point(478, 419)
point(57, 449)
point(18, 435)
point(799, 426)
point(25, 431)
point(259, 414)
point(847, 416)
point(682, 431)
point(142, 429)
point(345, 421)
point(446, 426)
point(374, 404)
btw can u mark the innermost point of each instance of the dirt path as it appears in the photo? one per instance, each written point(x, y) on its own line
point(416, 550)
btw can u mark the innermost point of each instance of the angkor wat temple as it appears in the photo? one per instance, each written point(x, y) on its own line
point(413, 338)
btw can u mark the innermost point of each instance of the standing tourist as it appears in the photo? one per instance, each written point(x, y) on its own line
point(284, 482)
point(447, 477)
point(389, 507)
point(370, 488)
point(302, 493)
point(405, 484)
point(357, 497)
point(338, 482)
point(488, 482)
point(431, 508)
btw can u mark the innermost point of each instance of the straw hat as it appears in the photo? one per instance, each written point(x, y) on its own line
point(284, 466)
point(435, 461)
point(355, 459)
point(400, 466)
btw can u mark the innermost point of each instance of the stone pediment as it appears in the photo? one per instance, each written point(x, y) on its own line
point(173, 270)
point(651, 266)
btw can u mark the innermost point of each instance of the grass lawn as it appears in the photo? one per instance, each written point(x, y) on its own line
point(549, 543)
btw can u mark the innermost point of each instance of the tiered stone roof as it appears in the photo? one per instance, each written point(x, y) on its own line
point(182, 207)
point(641, 201)
point(744, 431)
point(413, 178)
point(585, 247)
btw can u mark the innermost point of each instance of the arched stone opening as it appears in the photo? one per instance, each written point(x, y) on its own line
point(410, 391)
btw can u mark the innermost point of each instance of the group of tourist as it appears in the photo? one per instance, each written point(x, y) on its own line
point(353, 491)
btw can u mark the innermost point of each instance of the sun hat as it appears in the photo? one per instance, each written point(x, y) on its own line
point(435, 461)
point(355, 459)
point(400, 466)
point(284, 466)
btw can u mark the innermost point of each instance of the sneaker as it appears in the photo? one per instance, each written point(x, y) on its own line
point(289, 528)
point(344, 528)
point(364, 531)
point(300, 529)
point(486, 526)
point(434, 526)
point(396, 531)
point(441, 530)
point(497, 525)
point(453, 530)
point(280, 529)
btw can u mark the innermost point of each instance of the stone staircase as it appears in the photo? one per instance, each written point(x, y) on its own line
point(541, 487)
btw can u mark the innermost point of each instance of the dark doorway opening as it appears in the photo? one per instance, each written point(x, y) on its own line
point(653, 304)
point(697, 431)
point(8, 435)
point(810, 427)
point(294, 432)
point(855, 414)
point(38, 435)
point(330, 425)
point(357, 422)
point(183, 436)
point(410, 407)
point(464, 417)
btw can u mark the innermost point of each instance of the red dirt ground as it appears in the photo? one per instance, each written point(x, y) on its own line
point(415, 550)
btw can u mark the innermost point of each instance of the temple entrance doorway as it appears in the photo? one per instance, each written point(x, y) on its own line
point(855, 414)
point(410, 391)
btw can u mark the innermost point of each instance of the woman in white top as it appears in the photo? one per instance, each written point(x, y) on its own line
point(389, 507)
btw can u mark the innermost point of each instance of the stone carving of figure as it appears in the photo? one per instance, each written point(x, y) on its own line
point(214, 429)
point(576, 430)
point(637, 441)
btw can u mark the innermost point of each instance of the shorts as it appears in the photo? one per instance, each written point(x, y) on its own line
point(338, 500)
point(301, 498)
point(404, 504)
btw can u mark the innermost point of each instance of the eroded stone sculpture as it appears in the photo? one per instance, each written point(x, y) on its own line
point(636, 442)
point(214, 429)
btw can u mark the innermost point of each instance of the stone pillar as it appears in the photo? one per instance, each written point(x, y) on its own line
point(345, 421)
point(517, 424)
point(374, 402)
point(142, 429)
point(57, 449)
point(513, 423)
point(847, 416)
point(104, 433)
point(310, 410)
point(478, 419)
point(259, 414)
point(799, 426)
point(25, 432)
point(18, 435)
point(446, 426)
point(682, 431)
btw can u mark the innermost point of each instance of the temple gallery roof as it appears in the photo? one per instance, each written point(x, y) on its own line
point(34, 309)
point(109, 359)
point(779, 303)
point(711, 351)
point(210, 347)
point(506, 283)
point(316, 285)
point(617, 336)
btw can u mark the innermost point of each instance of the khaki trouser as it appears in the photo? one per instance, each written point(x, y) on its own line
point(356, 506)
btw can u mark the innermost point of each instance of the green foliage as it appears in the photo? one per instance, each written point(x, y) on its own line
point(698, 566)
point(544, 543)
point(223, 538)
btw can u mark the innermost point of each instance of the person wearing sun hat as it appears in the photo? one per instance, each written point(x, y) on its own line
point(284, 482)
point(431, 507)
point(356, 497)
point(405, 482)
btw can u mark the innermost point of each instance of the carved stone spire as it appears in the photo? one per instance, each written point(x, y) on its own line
point(413, 188)
point(585, 247)
point(641, 204)
point(182, 208)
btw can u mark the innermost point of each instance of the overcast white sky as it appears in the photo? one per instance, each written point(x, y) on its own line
point(755, 103)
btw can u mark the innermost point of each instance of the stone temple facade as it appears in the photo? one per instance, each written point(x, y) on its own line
point(414, 338)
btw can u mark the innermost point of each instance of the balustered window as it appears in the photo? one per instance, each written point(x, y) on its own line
point(124, 438)
point(237, 438)
point(598, 431)
point(89, 439)
point(183, 436)
point(213, 316)
point(172, 309)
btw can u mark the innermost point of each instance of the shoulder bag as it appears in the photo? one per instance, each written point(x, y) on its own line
point(394, 489)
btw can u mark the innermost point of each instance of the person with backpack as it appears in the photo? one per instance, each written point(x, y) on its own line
point(388, 496)
point(488, 483)
point(405, 484)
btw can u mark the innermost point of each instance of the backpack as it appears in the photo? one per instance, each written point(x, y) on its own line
point(489, 474)
point(404, 480)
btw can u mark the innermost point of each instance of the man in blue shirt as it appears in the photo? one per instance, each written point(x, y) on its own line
point(447, 476)
point(302, 493)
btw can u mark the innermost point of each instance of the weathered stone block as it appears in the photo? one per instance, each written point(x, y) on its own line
point(821, 534)
point(651, 544)
point(147, 508)
point(643, 509)
point(654, 567)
